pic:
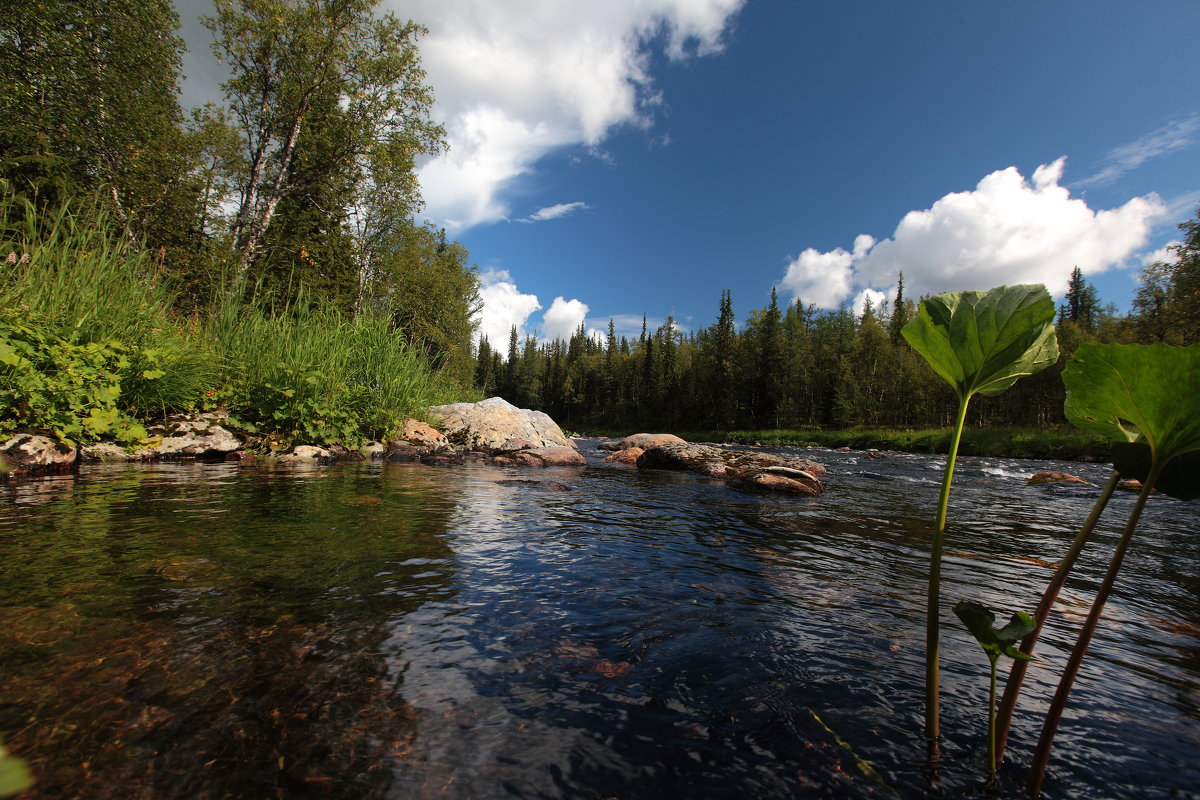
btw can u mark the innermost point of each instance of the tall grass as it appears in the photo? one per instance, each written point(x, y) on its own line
point(69, 275)
point(309, 372)
point(298, 371)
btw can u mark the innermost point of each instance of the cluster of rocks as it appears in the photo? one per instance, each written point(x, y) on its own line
point(740, 469)
point(492, 430)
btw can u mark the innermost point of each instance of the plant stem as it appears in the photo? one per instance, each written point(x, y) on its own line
point(992, 762)
point(932, 618)
point(1041, 756)
point(1016, 676)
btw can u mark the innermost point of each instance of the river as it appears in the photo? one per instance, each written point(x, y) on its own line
point(402, 631)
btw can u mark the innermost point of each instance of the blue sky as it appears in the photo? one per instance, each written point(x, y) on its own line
point(639, 156)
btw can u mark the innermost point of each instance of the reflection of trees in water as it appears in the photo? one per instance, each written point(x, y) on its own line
point(215, 638)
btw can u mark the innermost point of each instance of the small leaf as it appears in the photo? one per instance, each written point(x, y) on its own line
point(980, 621)
point(152, 374)
point(14, 777)
point(982, 342)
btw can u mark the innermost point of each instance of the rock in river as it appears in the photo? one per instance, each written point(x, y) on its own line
point(489, 424)
point(740, 468)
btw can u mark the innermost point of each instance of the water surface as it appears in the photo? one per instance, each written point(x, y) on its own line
point(402, 631)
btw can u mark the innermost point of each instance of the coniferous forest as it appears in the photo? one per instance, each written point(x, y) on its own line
point(796, 366)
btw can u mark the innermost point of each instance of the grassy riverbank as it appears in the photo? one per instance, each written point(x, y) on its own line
point(1050, 443)
point(95, 343)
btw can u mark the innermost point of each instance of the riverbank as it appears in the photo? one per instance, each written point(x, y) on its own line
point(1065, 444)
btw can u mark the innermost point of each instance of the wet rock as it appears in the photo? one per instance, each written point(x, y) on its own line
point(195, 436)
point(488, 424)
point(742, 469)
point(443, 457)
point(541, 457)
point(403, 451)
point(26, 454)
point(611, 444)
point(107, 452)
point(308, 454)
point(648, 440)
point(1039, 478)
point(627, 456)
point(421, 434)
point(1130, 485)
point(374, 450)
point(778, 479)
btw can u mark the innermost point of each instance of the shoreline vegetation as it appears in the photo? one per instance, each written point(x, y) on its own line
point(1059, 443)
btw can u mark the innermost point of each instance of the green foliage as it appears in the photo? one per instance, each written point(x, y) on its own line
point(70, 388)
point(982, 342)
point(980, 621)
point(315, 374)
point(979, 343)
point(1127, 392)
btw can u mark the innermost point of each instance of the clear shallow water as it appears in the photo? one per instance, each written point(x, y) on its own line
point(404, 631)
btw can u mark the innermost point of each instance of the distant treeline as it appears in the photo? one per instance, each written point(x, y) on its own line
point(798, 366)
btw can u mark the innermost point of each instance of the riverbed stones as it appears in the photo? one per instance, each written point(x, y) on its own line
point(488, 424)
point(740, 468)
point(1044, 477)
point(30, 454)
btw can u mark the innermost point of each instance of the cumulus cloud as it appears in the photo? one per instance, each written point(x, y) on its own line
point(517, 79)
point(555, 211)
point(1007, 230)
point(502, 307)
point(562, 319)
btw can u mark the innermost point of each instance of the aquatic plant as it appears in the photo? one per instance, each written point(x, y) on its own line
point(979, 343)
point(1151, 394)
point(980, 621)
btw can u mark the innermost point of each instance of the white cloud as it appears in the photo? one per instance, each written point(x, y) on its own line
point(1166, 139)
point(879, 301)
point(824, 278)
point(1005, 231)
point(555, 211)
point(1166, 254)
point(562, 319)
point(503, 306)
point(517, 79)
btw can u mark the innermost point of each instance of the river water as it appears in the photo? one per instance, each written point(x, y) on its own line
point(402, 631)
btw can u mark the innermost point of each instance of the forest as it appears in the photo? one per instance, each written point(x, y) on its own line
point(797, 366)
point(241, 255)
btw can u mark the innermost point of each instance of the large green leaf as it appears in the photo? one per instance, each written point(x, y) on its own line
point(1127, 391)
point(982, 342)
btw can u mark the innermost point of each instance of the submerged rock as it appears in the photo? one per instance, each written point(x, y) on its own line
point(489, 424)
point(740, 468)
point(1039, 478)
